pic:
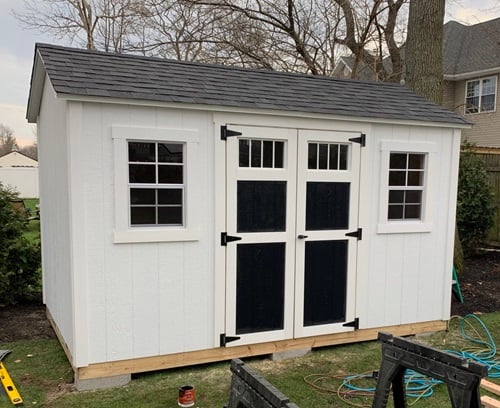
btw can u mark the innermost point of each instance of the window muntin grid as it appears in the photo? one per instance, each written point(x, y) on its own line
point(156, 183)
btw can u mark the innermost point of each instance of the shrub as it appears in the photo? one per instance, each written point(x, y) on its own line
point(19, 259)
point(474, 201)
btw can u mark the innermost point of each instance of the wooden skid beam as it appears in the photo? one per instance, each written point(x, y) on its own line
point(488, 402)
point(490, 386)
point(138, 365)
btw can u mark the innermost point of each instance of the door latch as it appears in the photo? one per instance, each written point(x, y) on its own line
point(224, 238)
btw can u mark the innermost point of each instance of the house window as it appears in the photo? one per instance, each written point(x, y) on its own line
point(406, 186)
point(156, 183)
point(480, 95)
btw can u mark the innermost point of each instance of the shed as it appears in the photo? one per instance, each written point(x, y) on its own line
point(20, 172)
point(195, 213)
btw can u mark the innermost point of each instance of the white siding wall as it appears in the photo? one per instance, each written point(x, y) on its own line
point(132, 300)
point(54, 204)
point(142, 299)
point(23, 179)
point(406, 277)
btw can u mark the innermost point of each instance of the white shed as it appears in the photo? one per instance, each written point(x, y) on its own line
point(20, 172)
point(195, 213)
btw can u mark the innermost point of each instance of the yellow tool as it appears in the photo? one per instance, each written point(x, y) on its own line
point(7, 383)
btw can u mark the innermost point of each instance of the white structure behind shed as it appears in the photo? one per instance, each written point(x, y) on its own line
point(20, 172)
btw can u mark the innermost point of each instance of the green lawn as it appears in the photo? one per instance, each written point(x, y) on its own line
point(42, 375)
point(33, 227)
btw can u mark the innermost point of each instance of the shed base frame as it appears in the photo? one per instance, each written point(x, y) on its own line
point(138, 365)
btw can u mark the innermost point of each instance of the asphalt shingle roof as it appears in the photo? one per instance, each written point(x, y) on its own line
point(98, 74)
point(471, 48)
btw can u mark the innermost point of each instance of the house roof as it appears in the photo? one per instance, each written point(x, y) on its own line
point(364, 71)
point(84, 73)
point(471, 49)
point(17, 159)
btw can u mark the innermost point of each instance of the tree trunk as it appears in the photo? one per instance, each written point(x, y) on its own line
point(424, 49)
point(424, 66)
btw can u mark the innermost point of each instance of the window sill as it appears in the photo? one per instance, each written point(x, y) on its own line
point(404, 227)
point(480, 113)
point(151, 235)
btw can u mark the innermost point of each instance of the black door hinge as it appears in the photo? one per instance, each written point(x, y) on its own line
point(361, 140)
point(354, 323)
point(357, 234)
point(225, 133)
point(224, 238)
point(227, 339)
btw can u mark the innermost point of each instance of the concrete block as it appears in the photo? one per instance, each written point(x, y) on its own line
point(285, 355)
point(100, 383)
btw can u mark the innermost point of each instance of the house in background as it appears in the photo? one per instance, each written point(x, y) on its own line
point(471, 64)
point(195, 213)
point(20, 172)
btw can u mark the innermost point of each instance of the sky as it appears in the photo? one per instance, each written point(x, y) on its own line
point(17, 47)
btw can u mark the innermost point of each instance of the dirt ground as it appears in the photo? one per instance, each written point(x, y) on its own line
point(480, 287)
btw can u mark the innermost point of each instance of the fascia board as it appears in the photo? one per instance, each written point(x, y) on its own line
point(36, 89)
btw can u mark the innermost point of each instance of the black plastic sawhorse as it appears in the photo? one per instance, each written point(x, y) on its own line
point(462, 377)
point(251, 390)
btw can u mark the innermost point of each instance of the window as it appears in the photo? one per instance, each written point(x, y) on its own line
point(261, 153)
point(480, 95)
point(327, 156)
point(156, 183)
point(408, 177)
point(406, 186)
point(156, 194)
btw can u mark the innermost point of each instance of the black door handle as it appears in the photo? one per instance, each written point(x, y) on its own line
point(302, 236)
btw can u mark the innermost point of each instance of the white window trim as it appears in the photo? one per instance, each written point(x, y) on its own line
point(481, 95)
point(123, 232)
point(386, 226)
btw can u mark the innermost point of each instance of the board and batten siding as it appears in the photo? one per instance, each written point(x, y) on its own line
point(406, 277)
point(55, 209)
point(126, 300)
point(142, 298)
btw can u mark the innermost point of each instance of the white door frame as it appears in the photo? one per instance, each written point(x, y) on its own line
point(235, 174)
point(220, 172)
point(351, 176)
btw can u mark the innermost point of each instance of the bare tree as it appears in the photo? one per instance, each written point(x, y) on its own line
point(95, 24)
point(286, 35)
point(290, 34)
point(306, 35)
point(30, 151)
point(8, 142)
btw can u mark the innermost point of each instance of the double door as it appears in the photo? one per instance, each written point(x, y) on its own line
point(292, 196)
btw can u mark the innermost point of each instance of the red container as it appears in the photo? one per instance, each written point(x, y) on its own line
point(186, 396)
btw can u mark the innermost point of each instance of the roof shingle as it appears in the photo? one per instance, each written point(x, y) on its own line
point(98, 74)
point(471, 48)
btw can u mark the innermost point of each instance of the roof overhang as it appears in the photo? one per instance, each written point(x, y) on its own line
point(473, 74)
point(36, 88)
